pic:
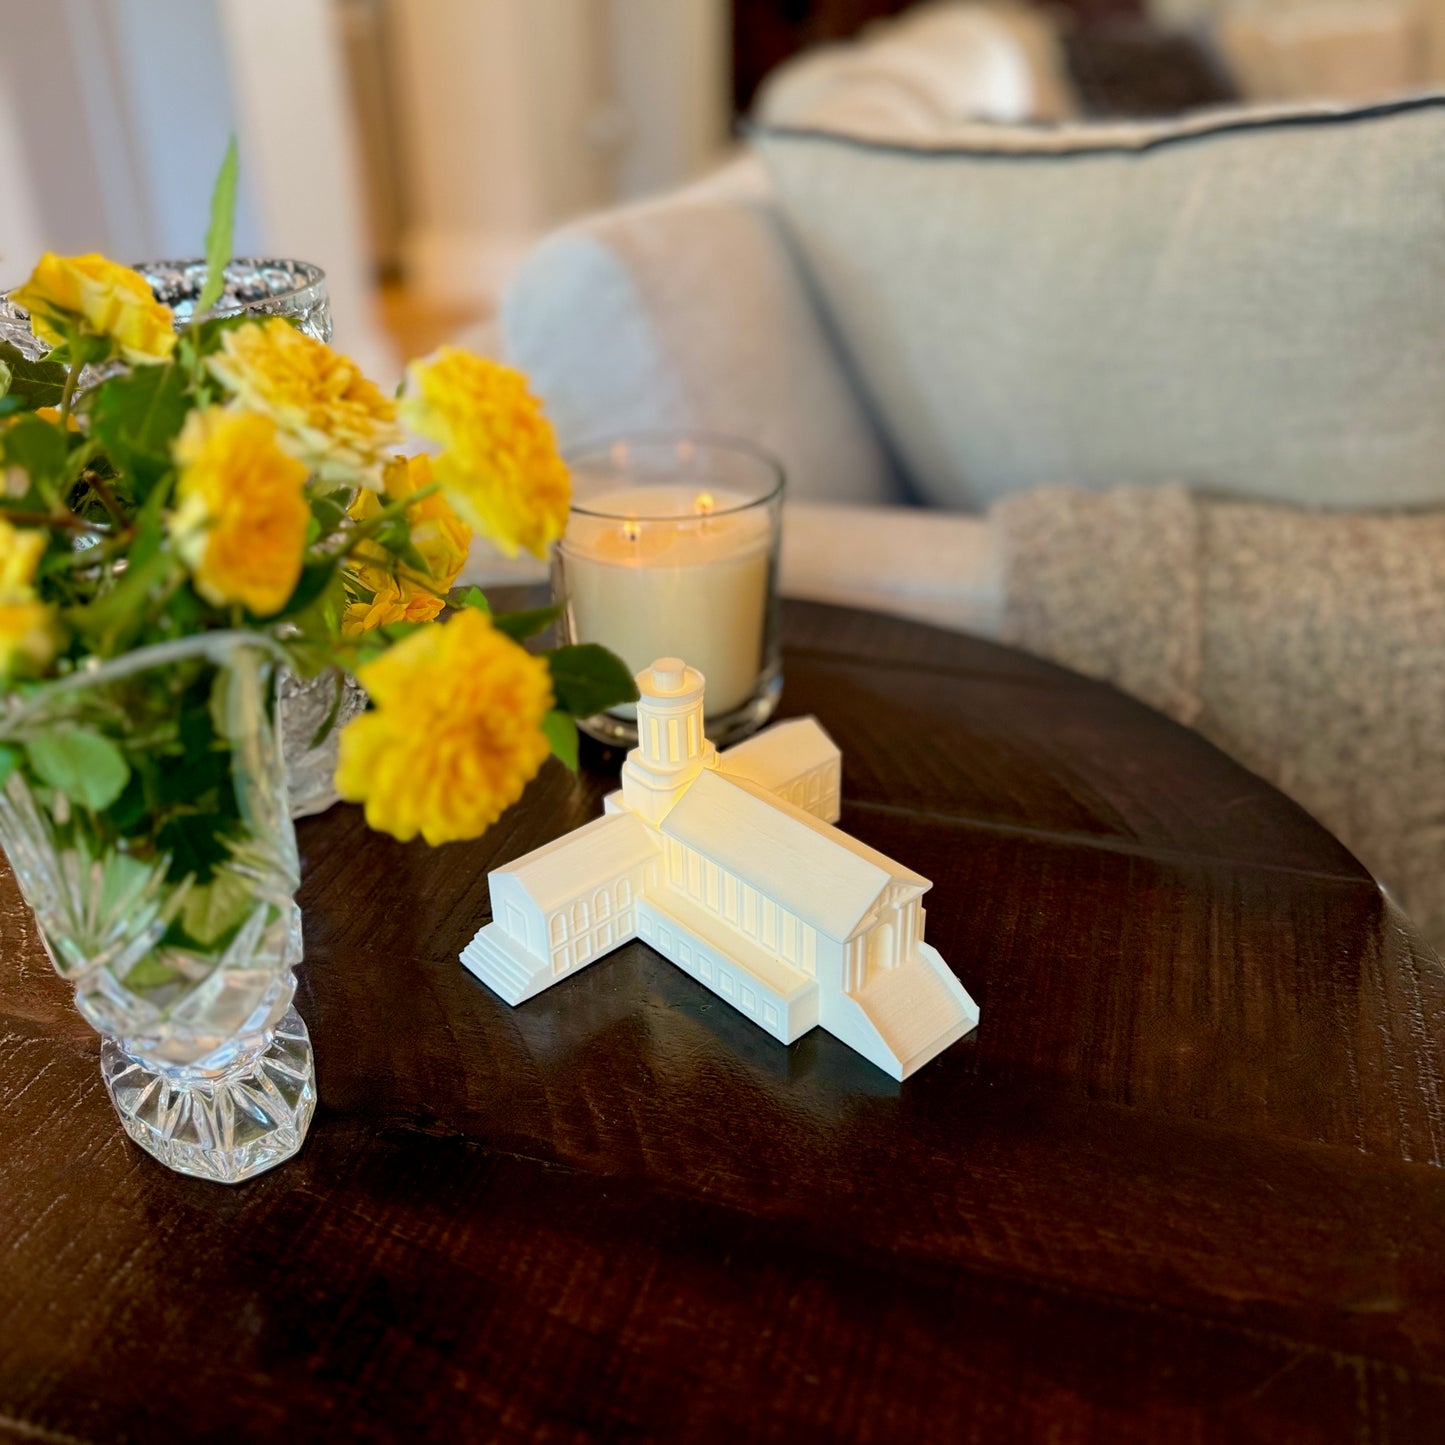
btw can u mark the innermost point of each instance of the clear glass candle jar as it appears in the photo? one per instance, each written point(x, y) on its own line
point(671, 550)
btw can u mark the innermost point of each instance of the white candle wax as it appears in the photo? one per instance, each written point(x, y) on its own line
point(673, 571)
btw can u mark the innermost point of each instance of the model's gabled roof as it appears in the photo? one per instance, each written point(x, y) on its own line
point(581, 861)
point(808, 867)
point(779, 754)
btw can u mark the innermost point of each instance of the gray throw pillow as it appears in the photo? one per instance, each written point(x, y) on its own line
point(1250, 301)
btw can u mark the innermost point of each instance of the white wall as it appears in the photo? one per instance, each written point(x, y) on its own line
point(118, 115)
point(120, 111)
point(180, 112)
point(22, 232)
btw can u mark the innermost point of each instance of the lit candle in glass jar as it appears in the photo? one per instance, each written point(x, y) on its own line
point(657, 562)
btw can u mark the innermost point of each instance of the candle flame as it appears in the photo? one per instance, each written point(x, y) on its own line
point(705, 503)
point(630, 530)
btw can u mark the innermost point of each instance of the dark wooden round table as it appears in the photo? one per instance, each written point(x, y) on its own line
point(1183, 1182)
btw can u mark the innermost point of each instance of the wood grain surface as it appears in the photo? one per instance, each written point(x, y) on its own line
point(1182, 1184)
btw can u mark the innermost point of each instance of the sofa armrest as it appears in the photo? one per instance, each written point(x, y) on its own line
point(942, 568)
point(689, 313)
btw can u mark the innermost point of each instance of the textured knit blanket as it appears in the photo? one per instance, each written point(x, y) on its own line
point(1309, 646)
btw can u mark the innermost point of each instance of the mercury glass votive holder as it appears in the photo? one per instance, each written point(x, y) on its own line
point(671, 550)
point(252, 286)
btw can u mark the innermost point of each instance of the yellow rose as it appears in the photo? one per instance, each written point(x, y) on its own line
point(438, 534)
point(388, 604)
point(242, 518)
point(328, 414)
point(20, 554)
point(101, 298)
point(454, 734)
point(27, 625)
point(499, 461)
point(27, 635)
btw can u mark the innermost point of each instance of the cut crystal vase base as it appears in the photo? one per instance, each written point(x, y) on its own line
point(228, 1128)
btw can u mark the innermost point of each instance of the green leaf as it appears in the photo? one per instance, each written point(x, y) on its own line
point(150, 528)
point(561, 733)
point(131, 811)
point(206, 337)
point(587, 678)
point(12, 405)
point(196, 843)
point(328, 513)
point(38, 383)
point(109, 619)
point(149, 971)
point(400, 631)
point(5, 376)
point(314, 580)
point(519, 626)
point(87, 349)
point(40, 448)
point(88, 768)
point(221, 230)
point(218, 907)
point(137, 417)
point(198, 775)
point(471, 597)
point(123, 881)
point(9, 760)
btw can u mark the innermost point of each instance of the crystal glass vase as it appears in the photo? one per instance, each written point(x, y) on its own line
point(170, 906)
point(256, 287)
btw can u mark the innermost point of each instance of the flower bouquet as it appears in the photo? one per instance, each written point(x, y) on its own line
point(184, 514)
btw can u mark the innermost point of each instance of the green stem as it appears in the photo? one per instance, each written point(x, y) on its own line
point(373, 525)
point(108, 500)
point(67, 395)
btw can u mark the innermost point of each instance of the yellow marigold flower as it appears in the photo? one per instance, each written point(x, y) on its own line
point(100, 297)
point(27, 625)
point(20, 554)
point(329, 415)
point(454, 734)
point(400, 594)
point(242, 520)
point(388, 604)
point(499, 461)
point(27, 635)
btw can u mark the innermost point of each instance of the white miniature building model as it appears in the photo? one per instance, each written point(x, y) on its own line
point(729, 866)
